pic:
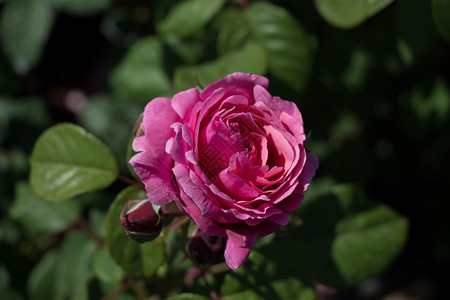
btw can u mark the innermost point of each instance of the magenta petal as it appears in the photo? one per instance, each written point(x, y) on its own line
point(238, 248)
point(157, 178)
point(196, 191)
point(236, 83)
point(184, 101)
point(158, 117)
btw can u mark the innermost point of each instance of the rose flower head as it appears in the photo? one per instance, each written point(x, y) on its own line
point(231, 156)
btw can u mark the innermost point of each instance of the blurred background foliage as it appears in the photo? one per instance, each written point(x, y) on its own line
point(371, 79)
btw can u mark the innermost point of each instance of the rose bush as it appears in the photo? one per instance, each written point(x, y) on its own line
point(231, 156)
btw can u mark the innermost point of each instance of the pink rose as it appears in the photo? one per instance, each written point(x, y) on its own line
point(231, 156)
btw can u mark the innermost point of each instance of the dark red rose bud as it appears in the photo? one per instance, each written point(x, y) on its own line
point(206, 249)
point(140, 220)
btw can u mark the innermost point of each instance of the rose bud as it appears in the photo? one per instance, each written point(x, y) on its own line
point(140, 221)
point(206, 249)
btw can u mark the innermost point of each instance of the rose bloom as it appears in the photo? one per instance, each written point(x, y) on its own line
point(232, 157)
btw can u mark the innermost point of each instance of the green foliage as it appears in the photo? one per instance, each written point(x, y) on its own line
point(67, 161)
point(64, 273)
point(25, 28)
point(250, 58)
point(141, 260)
point(140, 75)
point(376, 103)
point(189, 17)
point(349, 13)
point(441, 10)
point(40, 217)
point(81, 7)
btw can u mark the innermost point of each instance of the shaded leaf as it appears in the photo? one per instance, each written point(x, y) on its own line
point(140, 75)
point(441, 13)
point(105, 268)
point(73, 268)
point(82, 7)
point(233, 30)
point(187, 296)
point(42, 280)
point(189, 17)
point(141, 260)
point(250, 59)
point(25, 28)
point(287, 289)
point(67, 161)
point(285, 42)
point(39, 216)
point(349, 13)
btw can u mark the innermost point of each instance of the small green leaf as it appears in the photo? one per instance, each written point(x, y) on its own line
point(39, 216)
point(140, 75)
point(189, 17)
point(285, 42)
point(25, 28)
point(67, 161)
point(250, 59)
point(82, 7)
point(349, 13)
point(441, 13)
point(141, 260)
point(187, 296)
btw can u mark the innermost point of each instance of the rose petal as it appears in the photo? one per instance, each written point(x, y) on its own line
point(183, 102)
point(238, 248)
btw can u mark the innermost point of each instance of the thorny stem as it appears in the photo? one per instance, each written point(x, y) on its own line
point(130, 181)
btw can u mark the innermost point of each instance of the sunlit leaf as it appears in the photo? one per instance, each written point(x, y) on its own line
point(141, 260)
point(140, 75)
point(441, 13)
point(39, 216)
point(250, 59)
point(67, 161)
point(349, 13)
point(25, 28)
point(189, 17)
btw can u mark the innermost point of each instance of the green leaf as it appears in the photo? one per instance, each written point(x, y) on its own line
point(141, 260)
point(233, 30)
point(67, 161)
point(25, 28)
point(187, 296)
point(189, 17)
point(250, 59)
point(287, 289)
point(10, 294)
point(39, 216)
point(359, 239)
point(105, 268)
point(349, 13)
point(42, 279)
point(73, 269)
point(82, 7)
point(140, 75)
point(64, 273)
point(285, 42)
point(441, 12)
